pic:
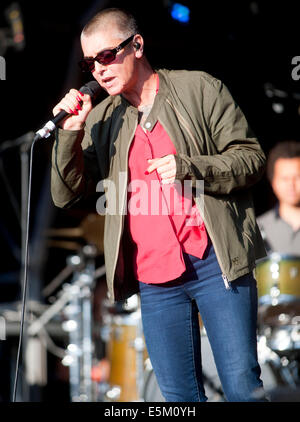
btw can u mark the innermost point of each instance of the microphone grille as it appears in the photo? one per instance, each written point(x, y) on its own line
point(91, 88)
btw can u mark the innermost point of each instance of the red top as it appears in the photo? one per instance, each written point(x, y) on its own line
point(158, 214)
point(163, 220)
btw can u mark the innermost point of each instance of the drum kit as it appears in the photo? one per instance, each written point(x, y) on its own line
point(132, 378)
point(278, 282)
point(278, 339)
point(123, 371)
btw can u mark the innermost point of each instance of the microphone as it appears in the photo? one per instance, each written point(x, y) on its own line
point(92, 88)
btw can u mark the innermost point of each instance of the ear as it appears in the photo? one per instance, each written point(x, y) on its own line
point(138, 45)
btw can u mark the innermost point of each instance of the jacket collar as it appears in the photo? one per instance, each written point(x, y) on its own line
point(159, 100)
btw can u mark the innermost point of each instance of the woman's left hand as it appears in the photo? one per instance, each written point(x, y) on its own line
point(165, 167)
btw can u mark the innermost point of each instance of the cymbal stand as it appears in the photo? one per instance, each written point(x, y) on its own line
point(75, 304)
point(79, 326)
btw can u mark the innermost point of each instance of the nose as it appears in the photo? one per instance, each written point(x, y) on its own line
point(291, 184)
point(99, 68)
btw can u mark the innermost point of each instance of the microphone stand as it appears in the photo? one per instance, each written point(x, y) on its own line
point(24, 142)
point(24, 157)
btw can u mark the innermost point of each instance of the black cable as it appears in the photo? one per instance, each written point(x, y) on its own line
point(25, 275)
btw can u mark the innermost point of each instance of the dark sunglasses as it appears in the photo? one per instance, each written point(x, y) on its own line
point(104, 57)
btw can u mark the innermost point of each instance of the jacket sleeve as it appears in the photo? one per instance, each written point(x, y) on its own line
point(74, 167)
point(238, 161)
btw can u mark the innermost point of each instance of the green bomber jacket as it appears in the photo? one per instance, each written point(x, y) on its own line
point(213, 143)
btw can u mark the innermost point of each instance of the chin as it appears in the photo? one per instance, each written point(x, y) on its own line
point(293, 202)
point(114, 91)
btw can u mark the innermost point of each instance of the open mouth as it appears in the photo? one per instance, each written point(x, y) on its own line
point(108, 81)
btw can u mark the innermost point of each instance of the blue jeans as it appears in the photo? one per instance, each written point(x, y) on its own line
point(171, 329)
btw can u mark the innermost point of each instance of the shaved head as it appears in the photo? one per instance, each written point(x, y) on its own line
point(123, 23)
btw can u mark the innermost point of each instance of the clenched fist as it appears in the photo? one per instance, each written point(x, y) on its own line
point(78, 106)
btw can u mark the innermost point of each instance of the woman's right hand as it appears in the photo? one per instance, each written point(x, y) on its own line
point(78, 106)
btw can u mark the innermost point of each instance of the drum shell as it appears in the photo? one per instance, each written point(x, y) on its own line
point(278, 279)
point(126, 352)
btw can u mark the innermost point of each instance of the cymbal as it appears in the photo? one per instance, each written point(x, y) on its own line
point(91, 229)
point(64, 244)
point(65, 232)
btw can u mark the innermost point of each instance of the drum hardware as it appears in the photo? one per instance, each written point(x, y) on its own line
point(287, 372)
point(275, 350)
point(91, 230)
point(284, 319)
point(74, 303)
point(277, 316)
point(11, 317)
point(278, 367)
point(79, 326)
point(35, 356)
point(113, 393)
point(285, 338)
point(57, 281)
point(274, 293)
point(265, 353)
point(295, 334)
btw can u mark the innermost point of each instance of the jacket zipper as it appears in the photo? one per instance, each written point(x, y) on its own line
point(226, 282)
point(224, 276)
point(186, 126)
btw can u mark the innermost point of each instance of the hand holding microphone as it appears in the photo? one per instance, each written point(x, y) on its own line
point(77, 106)
point(71, 112)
